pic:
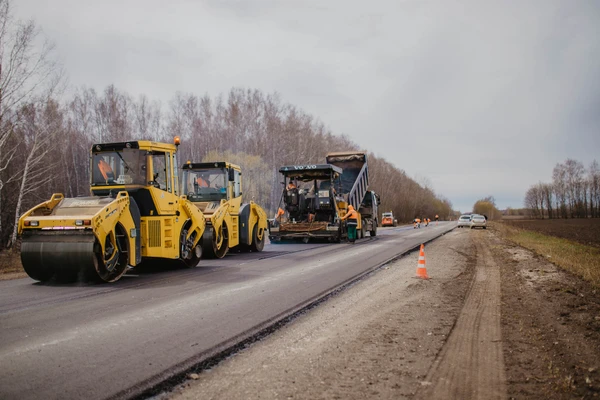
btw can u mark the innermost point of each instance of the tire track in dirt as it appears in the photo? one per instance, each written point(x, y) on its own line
point(471, 364)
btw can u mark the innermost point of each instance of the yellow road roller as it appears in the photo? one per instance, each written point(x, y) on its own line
point(136, 212)
point(215, 188)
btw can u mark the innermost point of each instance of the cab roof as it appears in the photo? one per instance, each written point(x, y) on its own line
point(311, 172)
point(134, 144)
point(211, 165)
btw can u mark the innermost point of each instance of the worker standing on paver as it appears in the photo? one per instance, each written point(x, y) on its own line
point(280, 214)
point(352, 217)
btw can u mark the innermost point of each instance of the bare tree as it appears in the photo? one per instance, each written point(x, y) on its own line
point(28, 74)
point(559, 184)
point(547, 194)
point(39, 131)
point(575, 187)
point(532, 201)
point(594, 184)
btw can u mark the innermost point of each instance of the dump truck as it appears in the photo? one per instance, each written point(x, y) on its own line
point(215, 188)
point(308, 205)
point(353, 188)
point(135, 212)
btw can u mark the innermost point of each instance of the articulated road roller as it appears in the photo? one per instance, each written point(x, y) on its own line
point(135, 213)
point(216, 189)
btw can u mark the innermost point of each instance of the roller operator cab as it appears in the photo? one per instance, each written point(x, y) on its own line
point(135, 212)
point(215, 188)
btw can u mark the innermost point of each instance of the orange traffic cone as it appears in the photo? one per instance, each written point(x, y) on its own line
point(421, 270)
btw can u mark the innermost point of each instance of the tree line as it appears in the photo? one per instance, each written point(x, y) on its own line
point(487, 207)
point(573, 193)
point(46, 135)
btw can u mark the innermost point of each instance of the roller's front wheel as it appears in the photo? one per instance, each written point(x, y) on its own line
point(215, 242)
point(258, 239)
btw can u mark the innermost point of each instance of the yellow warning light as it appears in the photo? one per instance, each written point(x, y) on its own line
point(177, 141)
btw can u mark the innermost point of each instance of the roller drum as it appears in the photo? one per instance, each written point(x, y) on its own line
point(65, 256)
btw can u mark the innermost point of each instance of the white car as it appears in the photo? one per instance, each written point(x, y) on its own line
point(478, 221)
point(464, 220)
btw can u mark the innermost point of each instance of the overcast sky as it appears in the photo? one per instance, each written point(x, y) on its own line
point(476, 98)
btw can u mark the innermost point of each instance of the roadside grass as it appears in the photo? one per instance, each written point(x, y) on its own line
point(10, 265)
point(579, 259)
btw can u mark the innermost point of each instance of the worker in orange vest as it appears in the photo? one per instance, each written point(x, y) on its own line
point(280, 212)
point(202, 182)
point(352, 217)
point(106, 171)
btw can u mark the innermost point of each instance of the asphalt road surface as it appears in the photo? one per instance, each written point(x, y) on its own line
point(117, 340)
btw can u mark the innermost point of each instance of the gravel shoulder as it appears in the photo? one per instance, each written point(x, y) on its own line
point(377, 339)
point(494, 321)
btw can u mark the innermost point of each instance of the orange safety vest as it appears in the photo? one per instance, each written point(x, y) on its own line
point(202, 182)
point(351, 215)
point(105, 170)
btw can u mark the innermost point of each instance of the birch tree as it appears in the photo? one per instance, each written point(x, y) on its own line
point(28, 74)
point(39, 131)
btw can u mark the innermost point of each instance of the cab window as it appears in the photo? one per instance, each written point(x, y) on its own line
point(237, 184)
point(123, 167)
point(159, 170)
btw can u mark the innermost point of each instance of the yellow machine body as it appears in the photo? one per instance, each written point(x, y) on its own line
point(135, 212)
point(216, 189)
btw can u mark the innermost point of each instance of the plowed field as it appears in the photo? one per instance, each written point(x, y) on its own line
point(584, 231)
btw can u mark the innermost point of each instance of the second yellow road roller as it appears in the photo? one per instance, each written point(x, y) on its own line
point(216, 189)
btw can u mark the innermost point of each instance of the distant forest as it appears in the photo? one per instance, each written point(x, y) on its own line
point(46, 135)
point(573, 193)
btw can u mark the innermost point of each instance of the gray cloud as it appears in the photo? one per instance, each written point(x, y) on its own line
point(481, 97)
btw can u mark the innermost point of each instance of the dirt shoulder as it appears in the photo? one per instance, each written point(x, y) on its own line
point(493, 322)
point(551, 328)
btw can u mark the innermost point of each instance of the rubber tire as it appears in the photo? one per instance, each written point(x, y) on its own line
point(373, 233)
point(257, 245)
point(119, 270)
point(208, 245)
point(192, 262)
